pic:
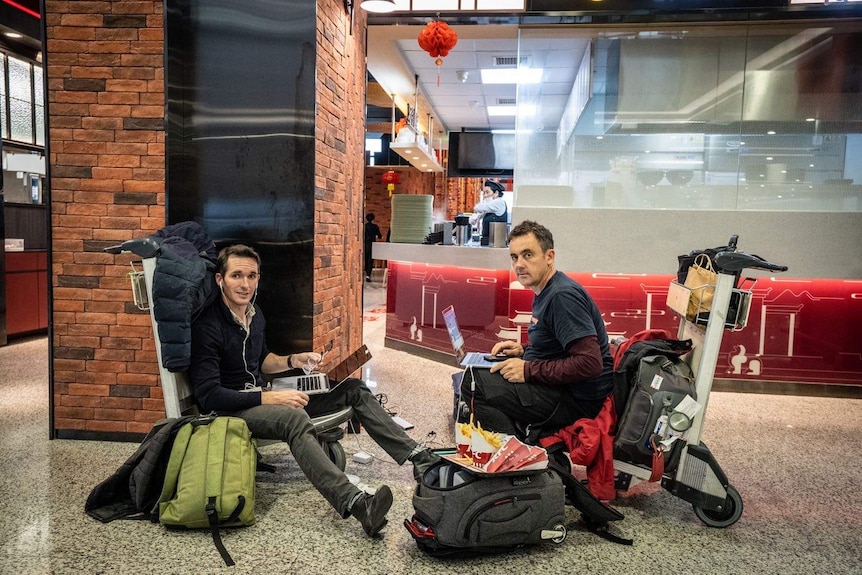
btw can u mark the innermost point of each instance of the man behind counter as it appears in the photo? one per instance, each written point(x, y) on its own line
point(492, 208)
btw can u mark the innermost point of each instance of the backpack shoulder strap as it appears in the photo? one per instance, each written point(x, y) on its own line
point(175, 462)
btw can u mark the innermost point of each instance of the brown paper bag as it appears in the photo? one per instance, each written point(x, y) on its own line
point(701, 280)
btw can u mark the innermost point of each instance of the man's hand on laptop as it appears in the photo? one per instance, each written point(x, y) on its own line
point(289, 397)
point(511, 369)
point(508, 348)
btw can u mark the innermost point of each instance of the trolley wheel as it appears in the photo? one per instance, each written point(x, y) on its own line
point(562, 528)
point(727, 516)
point(335, 452)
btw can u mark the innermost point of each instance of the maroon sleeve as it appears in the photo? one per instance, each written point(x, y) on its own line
point(583, 362)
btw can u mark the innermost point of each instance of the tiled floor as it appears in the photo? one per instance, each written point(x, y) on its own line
point(795, 461)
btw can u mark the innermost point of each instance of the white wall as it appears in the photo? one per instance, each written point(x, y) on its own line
point(811, 244)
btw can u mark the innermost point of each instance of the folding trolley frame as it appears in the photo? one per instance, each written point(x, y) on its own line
point(698, 478)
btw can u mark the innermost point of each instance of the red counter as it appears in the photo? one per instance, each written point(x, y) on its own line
point(26, 292)
point(799, 331)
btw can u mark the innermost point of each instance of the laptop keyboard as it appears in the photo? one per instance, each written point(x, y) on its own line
point(310, 384)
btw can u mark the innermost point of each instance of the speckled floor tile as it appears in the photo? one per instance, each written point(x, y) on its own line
point(793, 459)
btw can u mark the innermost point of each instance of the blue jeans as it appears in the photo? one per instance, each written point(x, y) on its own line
point(293, 425)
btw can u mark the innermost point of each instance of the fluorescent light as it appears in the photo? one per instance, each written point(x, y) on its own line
point(507, 5)
point(524, 110)
point(502, 110)
point(511, 75)
point(378, 6)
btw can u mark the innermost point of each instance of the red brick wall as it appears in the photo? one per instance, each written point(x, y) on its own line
point(105, 72)
point(340, 156)
point(104, 64)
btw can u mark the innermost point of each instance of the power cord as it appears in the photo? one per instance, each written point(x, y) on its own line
point(383, 399)
point(355, 432)
point(431, 440)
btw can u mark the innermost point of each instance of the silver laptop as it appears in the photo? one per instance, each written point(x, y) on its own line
point(465, 358)
point(314, 383)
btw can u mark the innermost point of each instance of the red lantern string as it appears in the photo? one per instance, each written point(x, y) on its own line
point(437, 38)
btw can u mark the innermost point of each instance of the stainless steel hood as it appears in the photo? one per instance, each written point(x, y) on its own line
point(682, 84)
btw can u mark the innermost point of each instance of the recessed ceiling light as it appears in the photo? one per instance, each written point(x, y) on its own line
point(511, 75)
point(502, 110)
point(523, 110)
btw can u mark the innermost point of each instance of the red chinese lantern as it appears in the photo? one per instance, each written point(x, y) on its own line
point(391, 178)
point(437, 38)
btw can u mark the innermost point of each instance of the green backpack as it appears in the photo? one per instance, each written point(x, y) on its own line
point(209, 482)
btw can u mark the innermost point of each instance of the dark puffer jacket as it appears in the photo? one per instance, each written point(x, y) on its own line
point(183, 284)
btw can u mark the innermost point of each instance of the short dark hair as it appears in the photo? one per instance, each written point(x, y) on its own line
point(236, 250)
point(370, 216)
point(495, 187)
point(543, 234)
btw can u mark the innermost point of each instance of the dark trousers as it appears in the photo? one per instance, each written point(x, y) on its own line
point(369, 260)
point(521, 408)
point(293, 426)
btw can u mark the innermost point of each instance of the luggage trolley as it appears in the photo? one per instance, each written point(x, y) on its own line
point(697, 477)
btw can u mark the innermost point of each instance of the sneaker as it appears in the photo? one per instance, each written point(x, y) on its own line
point(371, 510)
point(422, 462)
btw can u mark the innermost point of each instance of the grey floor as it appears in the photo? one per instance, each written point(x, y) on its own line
point(794, 460)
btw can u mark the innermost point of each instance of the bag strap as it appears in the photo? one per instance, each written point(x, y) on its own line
point(601, 529)
point(212, 517)
point(172, 473)
point(704, 261)
point(657, 460)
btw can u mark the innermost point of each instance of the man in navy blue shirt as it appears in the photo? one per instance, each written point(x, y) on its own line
point(229, 356)
point(566, 371)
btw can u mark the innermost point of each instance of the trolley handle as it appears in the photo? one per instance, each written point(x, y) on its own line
point(143, 247)
point(735, 262)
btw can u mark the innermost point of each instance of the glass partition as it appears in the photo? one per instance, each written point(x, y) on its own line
point(694, 117)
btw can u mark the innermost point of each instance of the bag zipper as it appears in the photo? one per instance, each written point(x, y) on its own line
point(487, 506)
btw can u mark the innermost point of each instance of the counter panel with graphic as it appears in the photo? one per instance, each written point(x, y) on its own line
point(798, 330)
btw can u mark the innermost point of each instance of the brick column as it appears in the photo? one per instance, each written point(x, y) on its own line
point(105, 103)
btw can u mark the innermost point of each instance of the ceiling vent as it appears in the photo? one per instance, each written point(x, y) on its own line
point(510, 61)
point(506, 101)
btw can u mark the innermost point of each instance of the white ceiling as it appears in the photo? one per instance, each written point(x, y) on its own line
point(394, 57)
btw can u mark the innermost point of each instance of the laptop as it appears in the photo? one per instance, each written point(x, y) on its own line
point(314, 383)
point(465, 358)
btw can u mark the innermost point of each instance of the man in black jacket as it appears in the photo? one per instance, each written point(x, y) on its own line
point(372, 234)
point(229, 356)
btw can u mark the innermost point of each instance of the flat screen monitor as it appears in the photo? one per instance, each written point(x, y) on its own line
point(480, 154)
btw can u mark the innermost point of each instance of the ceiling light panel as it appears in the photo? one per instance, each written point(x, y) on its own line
point(459, 5)
point(511, 75)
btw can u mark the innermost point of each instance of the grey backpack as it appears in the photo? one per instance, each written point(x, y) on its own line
point(460, 510)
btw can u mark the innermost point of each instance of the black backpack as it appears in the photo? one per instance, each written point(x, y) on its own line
point(133, 490)
point(650, 380)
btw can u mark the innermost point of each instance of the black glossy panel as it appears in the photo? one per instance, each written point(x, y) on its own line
point(240, 141)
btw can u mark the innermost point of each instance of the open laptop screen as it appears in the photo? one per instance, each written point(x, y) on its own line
point(454, 333)
point(463, 358)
